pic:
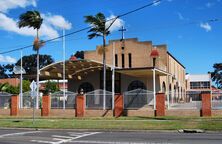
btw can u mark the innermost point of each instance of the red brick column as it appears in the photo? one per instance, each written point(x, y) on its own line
point(80, 105)
point(206, 104)
point(160, 104)
point(118, 103)
point(46, 105)
point(14, 105)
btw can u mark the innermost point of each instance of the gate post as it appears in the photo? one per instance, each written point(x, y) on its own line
point(80, 105)
point(160, 104)
point(14, 105)
point(206, 103)
point(46, 105)
point(118, 109)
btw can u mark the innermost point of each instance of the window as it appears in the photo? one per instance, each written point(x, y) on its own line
point(130, 60)
point(116, 60)
point(86, 86)
point(164, 87)
point(136, 85)
point(199, 85)
point(123, 62)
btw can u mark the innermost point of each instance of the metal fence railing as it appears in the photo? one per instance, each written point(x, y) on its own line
point(58, 98)
point(94, 99)
point(27, 100)
point(138, 98)
point(216, 102)
point(190, 100)
point(5, 100)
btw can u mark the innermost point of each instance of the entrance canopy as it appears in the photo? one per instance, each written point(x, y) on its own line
point(72, 69)
point(76, 68)
point(142, 72)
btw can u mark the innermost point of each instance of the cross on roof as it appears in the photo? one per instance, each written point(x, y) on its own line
point(122, 30)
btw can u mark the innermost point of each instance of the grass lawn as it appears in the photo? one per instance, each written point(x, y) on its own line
point(122, 123)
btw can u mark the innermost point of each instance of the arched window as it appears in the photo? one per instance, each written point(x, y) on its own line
point(136, 85)
point(163, 87)
point(175, 94)
point(86, 86)
point(170, 93)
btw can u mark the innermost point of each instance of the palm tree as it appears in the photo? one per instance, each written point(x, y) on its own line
point(33, 19)
point(98, 23)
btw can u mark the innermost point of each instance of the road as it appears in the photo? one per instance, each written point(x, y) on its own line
point(22, 136)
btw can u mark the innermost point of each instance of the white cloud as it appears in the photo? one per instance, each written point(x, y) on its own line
point(10, 25)
point(156, 2)
point(209, 4)
point(206, 26)
point(57, 21)
point(49, 28)
point(6, 5)
point(7, 59)
point(180, 16)
point(116, 25)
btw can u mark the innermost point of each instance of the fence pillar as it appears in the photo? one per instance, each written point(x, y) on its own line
point(80, 105)
point(206, 103)
point(118, 108)
point(14, 105)
point(160, 104)
point(46, 105)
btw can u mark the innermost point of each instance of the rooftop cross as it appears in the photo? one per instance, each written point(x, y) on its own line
point(122, 30)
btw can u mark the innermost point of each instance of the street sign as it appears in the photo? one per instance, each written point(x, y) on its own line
point(33, 87)
point(18, 70)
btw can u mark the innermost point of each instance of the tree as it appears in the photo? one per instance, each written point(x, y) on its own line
point(3, 72)
point(6, 71)
point(216, 75)
point(51, 86)
point(98, 23)
point(29, 62)
point(79, 54)
point(33, 19)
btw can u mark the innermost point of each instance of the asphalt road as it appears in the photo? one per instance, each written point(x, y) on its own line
point(9, 136)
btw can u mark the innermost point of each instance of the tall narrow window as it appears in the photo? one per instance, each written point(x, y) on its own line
point(116, 60)
point(130, 60)
point(123, 62)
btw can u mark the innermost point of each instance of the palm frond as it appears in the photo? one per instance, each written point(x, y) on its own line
point(98, 25)
point(30, 19)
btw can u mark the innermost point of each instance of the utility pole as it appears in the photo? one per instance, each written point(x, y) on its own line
point(64, 70)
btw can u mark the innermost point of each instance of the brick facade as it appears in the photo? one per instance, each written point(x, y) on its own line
point(160, 104)
point(14, 105)
point(206, 104)
point(46, 105)
point(80, 105)
point(118, 109)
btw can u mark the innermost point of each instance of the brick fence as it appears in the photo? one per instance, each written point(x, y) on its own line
point(81, 111)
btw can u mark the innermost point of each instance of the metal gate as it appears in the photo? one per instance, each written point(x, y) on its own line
point(94, 99)
point(216, 100)
point(5, 100)
point(57, 99)
point(138, 98)
point(191, 100)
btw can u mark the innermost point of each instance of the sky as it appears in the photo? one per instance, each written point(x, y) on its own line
point(191, 29)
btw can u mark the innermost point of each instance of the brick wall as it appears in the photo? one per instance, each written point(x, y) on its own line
point(98, 113)
point(14, 105)
point(11, 81)
point(206, 104)
point(183, 112)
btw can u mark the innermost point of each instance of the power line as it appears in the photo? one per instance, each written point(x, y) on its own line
point(83, 29)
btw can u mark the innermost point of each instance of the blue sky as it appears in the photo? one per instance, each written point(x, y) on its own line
point(181, 24)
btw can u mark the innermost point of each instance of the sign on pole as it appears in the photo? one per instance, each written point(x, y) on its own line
point(33, 87)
